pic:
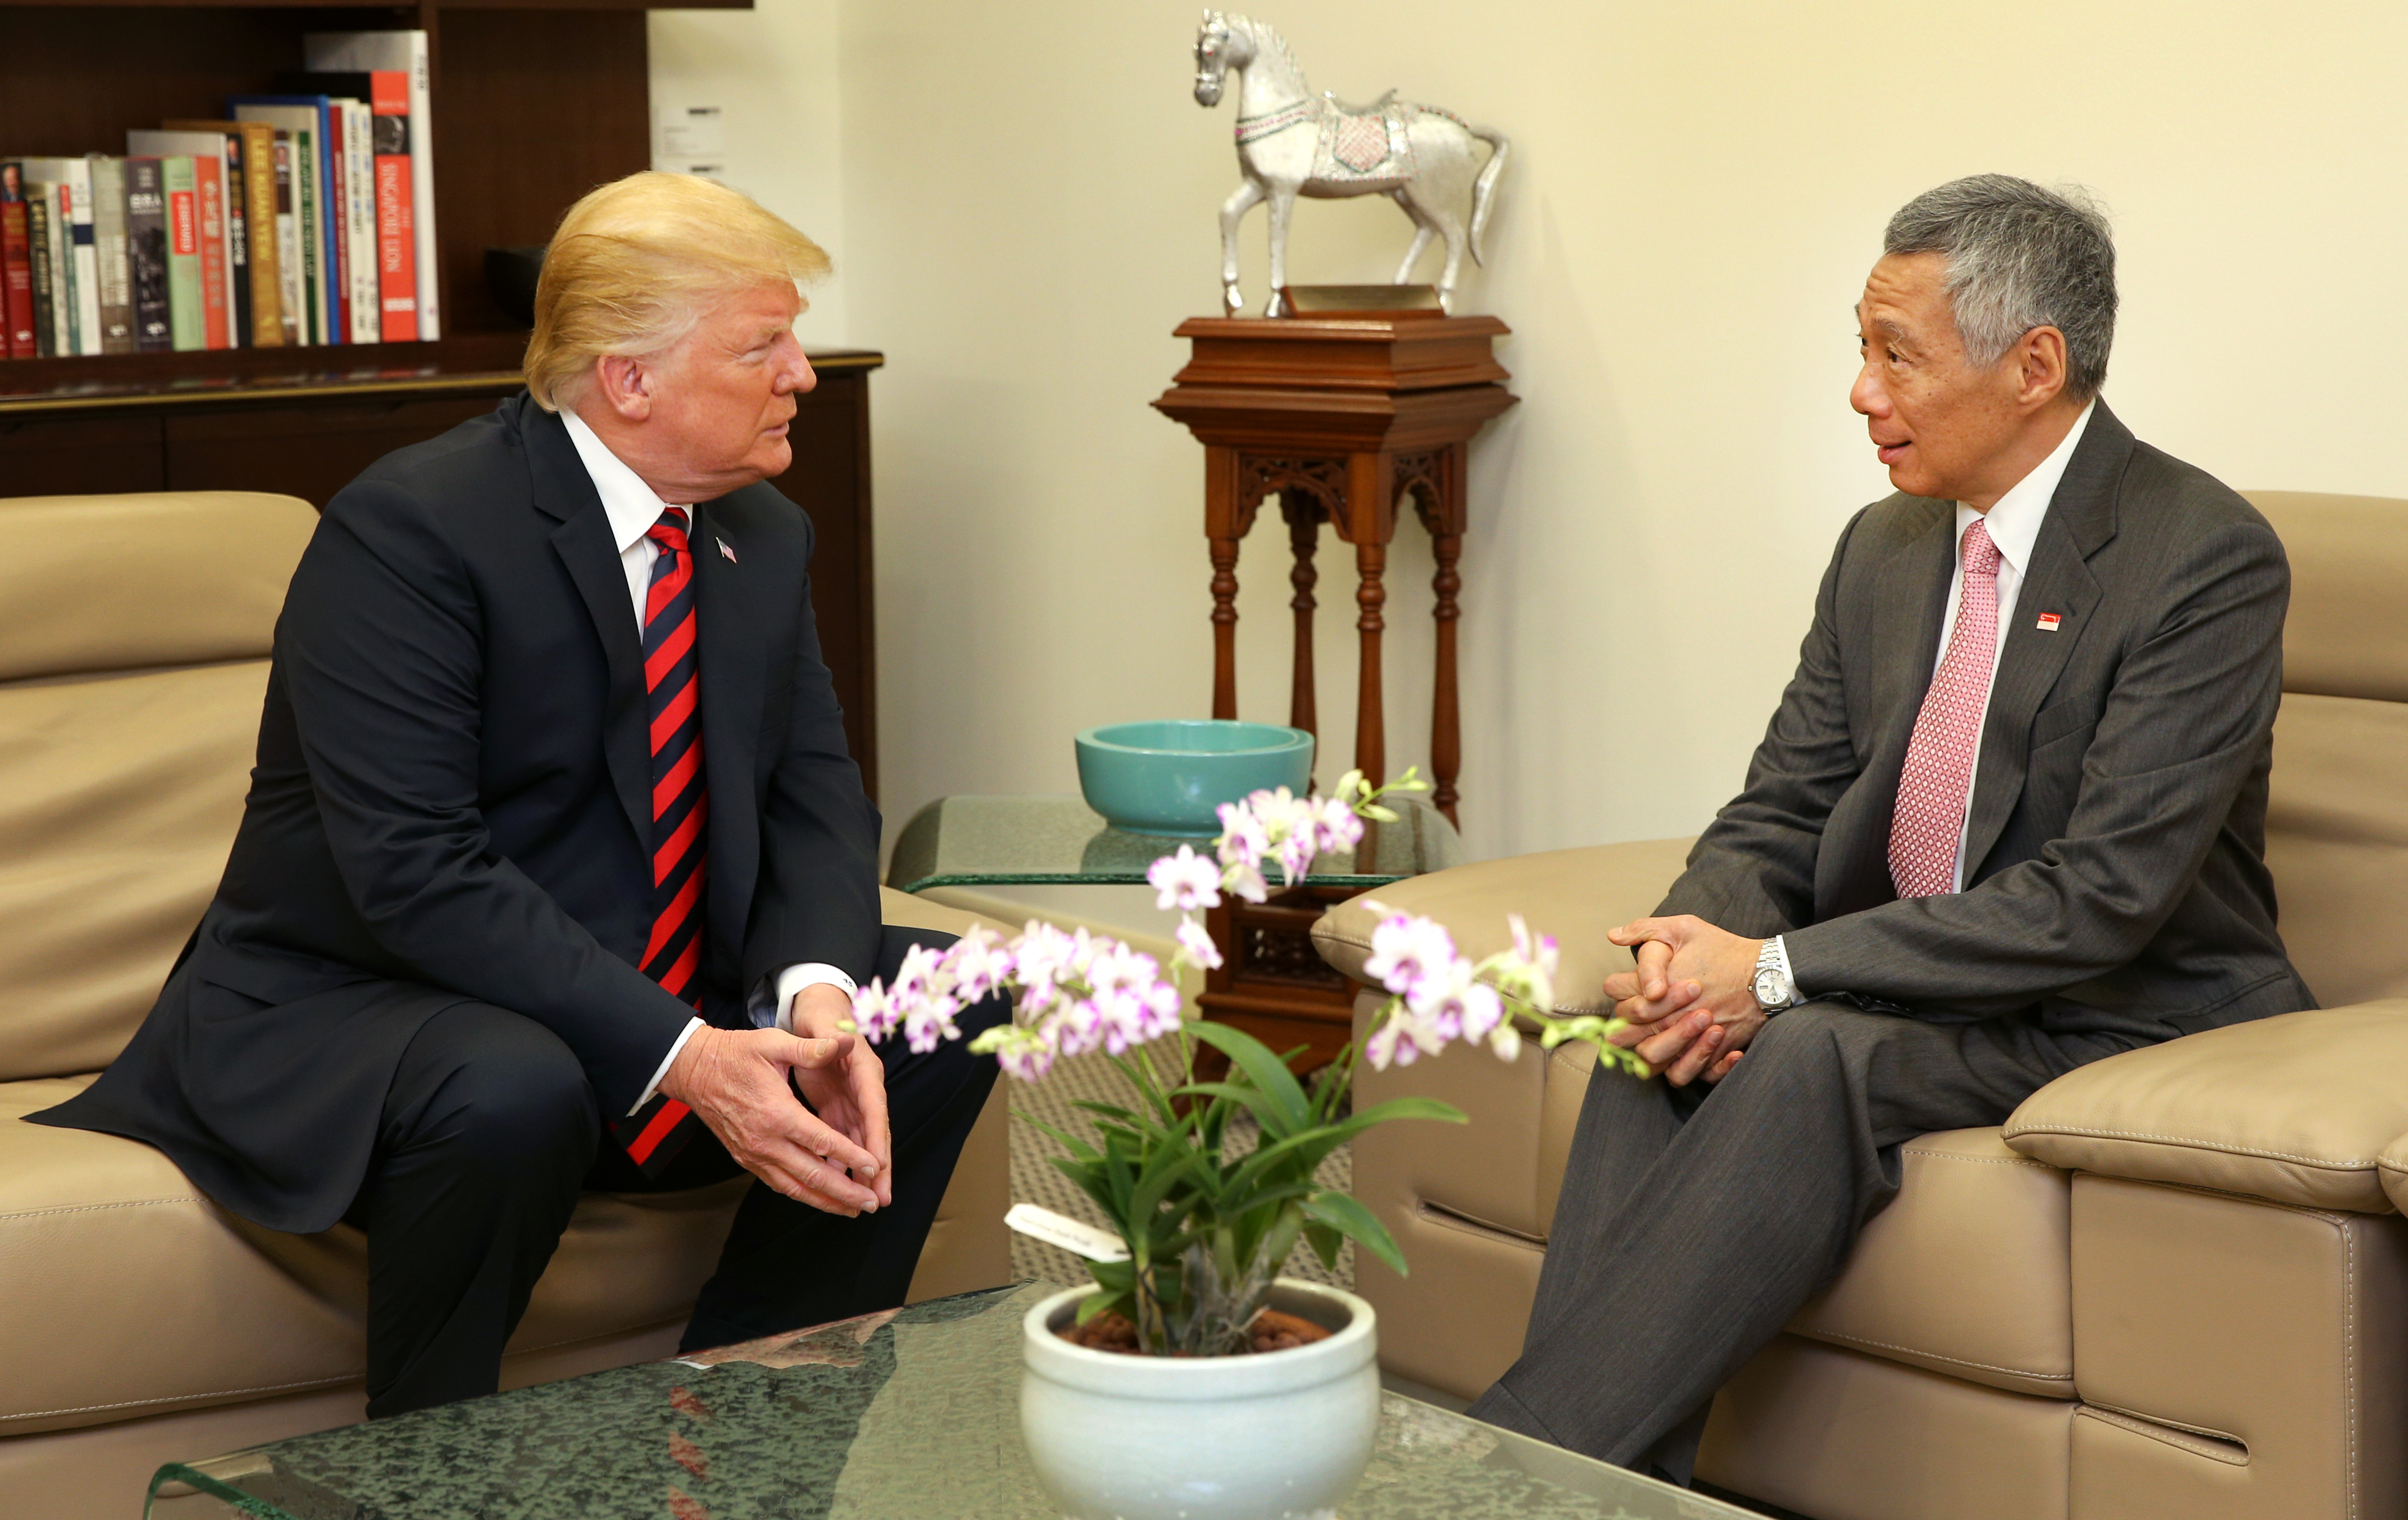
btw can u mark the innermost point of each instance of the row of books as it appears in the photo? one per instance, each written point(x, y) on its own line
point(305, 215)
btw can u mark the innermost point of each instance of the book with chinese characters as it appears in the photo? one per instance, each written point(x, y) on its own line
point(211, 242)
point(113, 275)
point(146, 239)
point(251, 208)
point(78, 276)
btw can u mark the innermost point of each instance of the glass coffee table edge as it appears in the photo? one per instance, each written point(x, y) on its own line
point(1558, 1466)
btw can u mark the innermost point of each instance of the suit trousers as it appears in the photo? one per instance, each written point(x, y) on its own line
point(488, 1134)
point(1695, 1221)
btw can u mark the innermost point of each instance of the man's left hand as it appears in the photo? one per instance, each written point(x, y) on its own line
point(849, 1094)
point(1692, 1006)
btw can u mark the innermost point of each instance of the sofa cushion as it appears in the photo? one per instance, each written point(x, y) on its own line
point(1966, 1273)
point(129, 1293)
point(2346, 633)
point(109, 582)
point(2337, 842)
point(2295, 1108)
point(119, 798)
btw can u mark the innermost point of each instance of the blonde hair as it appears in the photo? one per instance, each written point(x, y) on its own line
point(639, 262)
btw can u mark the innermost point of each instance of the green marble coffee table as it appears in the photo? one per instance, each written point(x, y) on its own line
point(912, 1414)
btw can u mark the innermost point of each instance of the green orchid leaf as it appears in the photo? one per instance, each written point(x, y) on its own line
point(1268, 1073)
point(1358, 1223)
point(1325, 1242)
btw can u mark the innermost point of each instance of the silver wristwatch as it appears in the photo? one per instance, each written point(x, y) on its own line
point(1773, 989)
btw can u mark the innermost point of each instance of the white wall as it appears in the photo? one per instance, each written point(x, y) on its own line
point(1025, 201)
point(773, 73)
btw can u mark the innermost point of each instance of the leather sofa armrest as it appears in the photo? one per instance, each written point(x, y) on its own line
point(2393, 1164)
point(2297, 1109)
point(1574, 894)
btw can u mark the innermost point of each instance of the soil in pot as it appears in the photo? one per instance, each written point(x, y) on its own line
point(1271, 1331)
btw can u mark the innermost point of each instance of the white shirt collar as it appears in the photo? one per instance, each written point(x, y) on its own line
point(2013, 523)
point(630, 502)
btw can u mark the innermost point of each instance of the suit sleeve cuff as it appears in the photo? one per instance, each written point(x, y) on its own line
point(676, 1045)
point(794, 979)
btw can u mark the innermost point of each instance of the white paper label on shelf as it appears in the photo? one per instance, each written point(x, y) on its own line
point(693, 132)
point(1074, 1236)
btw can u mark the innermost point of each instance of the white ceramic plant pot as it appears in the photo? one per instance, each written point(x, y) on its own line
point(1278, 1435)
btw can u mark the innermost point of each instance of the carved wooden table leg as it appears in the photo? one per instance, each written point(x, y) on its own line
point(1222, 527)
point(1441, 499)
point(1372, 522)
point(1303, 513)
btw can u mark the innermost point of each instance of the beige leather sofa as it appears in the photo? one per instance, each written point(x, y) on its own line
point(138, 1323)
point(2174, 1286)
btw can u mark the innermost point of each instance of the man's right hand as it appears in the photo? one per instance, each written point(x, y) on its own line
point(1679, 1039)
point(739, 1082)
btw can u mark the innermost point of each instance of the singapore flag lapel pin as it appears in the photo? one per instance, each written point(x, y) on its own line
point(2048, 620)
point(730, 555)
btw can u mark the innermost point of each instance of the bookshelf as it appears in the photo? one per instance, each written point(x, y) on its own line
point(535, 102)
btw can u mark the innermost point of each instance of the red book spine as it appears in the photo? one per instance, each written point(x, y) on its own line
point(336, 216)
point(16, 268)
point(216, 316)
point(395, 207)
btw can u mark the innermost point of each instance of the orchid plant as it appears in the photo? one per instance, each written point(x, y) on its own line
point(1205, 1236)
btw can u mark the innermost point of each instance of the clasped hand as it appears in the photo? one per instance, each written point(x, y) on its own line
point(1691, 1005)
point(836, 1154)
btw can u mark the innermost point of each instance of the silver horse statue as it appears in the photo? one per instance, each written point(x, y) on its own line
point(1292, 142)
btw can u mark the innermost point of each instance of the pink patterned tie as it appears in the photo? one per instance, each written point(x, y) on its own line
point(1930, 817)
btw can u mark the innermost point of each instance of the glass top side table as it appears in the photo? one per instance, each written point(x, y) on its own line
point(1038, 841)
point(1271, 983)
point(910, 1414)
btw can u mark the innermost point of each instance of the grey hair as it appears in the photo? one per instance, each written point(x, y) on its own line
point(2019, 257)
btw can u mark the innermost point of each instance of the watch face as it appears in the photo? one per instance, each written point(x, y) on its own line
point(1768, 987)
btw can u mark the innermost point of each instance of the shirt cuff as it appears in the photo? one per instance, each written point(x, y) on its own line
point(1780, 953)
point(794, 979)
point(652, 1086)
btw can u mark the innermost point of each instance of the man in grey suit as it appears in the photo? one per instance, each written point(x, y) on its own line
point(2008, 818)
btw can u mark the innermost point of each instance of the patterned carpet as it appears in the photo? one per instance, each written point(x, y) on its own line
point(1034, 1179)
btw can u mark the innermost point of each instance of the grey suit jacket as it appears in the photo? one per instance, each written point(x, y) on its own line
point(2114, 868)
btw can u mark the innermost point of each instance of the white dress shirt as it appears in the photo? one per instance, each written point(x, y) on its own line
point(2013, 526)
point(633, 508)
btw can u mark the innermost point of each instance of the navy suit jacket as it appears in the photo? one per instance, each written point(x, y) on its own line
point(451, 802)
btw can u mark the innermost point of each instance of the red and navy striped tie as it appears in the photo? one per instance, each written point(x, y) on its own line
point(681, 820)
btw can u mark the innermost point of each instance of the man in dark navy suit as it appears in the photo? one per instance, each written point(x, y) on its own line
point(554, 873)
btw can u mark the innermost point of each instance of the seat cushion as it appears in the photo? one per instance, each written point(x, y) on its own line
point(1967, 1273)
point(91, 1225)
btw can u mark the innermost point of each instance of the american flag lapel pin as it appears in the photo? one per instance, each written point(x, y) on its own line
point(729, 555)
point(2048, 620)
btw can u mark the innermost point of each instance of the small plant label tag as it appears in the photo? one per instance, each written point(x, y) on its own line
point(1071, 1235)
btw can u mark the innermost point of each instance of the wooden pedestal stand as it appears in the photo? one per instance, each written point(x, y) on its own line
point(1341, 418)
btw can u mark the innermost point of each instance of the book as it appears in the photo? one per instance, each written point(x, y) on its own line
point(254, 195)
point(79, 273)
point(41, 219)
point(113, 281)
point(306, 117)
point(359, 169)
point(211, 242)
point(16, 264)
point(288, 244)
point(188, 323)
point(405, 53)
point(391, 295)
point(146, 253)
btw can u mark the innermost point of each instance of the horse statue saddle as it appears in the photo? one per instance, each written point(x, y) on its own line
point(1367, 143)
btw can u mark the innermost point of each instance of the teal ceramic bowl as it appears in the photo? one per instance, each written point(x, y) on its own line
point(1169, 776)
